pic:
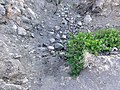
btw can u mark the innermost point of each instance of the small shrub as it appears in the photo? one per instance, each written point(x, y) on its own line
point(95, 43)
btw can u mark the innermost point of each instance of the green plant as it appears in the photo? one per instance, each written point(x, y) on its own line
point(95, 43)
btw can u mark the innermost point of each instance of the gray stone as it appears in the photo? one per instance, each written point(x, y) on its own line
point(58, 46)
point(2, 2)
point(31, 13)
point(64, 21)
point(52, 40)
point(98, 6)
point(87, 19)
point(57, 28)
point(51, 48)
point(22, 31)
point(57, 36)
point(11, 87)
point(32, 35)
point(14, 67)
point(2, 11)
point(2, 69)
point(79, 23)
point(64, 37)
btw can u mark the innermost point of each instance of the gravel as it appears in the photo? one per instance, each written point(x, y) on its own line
point(36, 60)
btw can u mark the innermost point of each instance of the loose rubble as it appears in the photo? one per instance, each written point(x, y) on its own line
point(33, 41)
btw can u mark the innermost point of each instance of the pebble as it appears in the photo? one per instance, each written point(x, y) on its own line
point(22, 31)
point(2, 11)
point(64, 37)
point(30, 11)
point(52, 33)
point(58, 46)
point(79, 23)
point(42, 49)
point(52, 40)
point(51, 48)
point(57, 36)
point(87, 19)
point(2, 2)
point(64, 22)
point(57, 28)
point(32, 35)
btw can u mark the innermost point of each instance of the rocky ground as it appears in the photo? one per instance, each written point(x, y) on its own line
point(33, 36)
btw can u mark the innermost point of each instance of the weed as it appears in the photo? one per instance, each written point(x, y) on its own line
point(95, 43)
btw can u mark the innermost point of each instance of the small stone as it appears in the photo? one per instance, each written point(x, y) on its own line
point(42, 49)
point(52, 52)
point(57, 28)
point(2, 2)
point(79, 23)
point(52, 40)
point(22, 31)
point(14, 27)
point(13, 11)
point(62, 53)
point(64, 37)
point(57, 36)
point(25, 80)
point(32, 35)
point(116, 2)
point(96, 9)
point(61, 32)
point(114, 49)
point(87, 19)
point(30, 11)
point(2, 11)
point(64, 22)
point(58, 46)
point(78, 16)
point(51, 33)
point(51, 48)
point(16, 56)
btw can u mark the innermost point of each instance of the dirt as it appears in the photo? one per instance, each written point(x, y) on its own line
point(41, 67)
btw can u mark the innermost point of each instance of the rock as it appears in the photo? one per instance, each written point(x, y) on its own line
point(57, 28)
point(14, 27)
point(58, 46)
point(64, 22)
point(52, 40)
point(2, 11)
point(17, 56)
point(22, 31)
point(51, 33)
point(89, 60)
point(43, 49)
point(97, 8)
point(31, 13)
point(79, 23)
point(32, 35)
point(57, 36)
point(2, 69)
point(12, 11)
point(64, 37)
point(87, 19)
point(11, 87)
point(51, 48)
point(2, 2)
point(3, 51)
point(14, 67)
point(116, 2)
point(114, 49)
